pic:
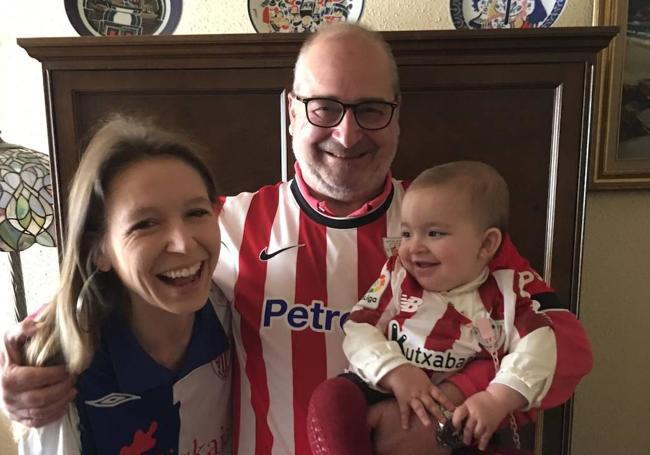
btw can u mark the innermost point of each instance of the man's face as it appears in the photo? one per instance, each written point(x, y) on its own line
point(345, 163)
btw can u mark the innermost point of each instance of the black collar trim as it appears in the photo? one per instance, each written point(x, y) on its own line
point(340, 223)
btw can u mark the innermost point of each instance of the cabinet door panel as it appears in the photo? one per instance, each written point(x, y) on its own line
point(235, 116)
point(524, 120)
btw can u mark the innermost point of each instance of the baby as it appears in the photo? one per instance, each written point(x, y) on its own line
point(438, 305)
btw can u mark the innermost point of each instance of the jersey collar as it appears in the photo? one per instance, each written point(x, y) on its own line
point(137, 372)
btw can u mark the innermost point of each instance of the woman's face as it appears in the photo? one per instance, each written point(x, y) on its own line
point(162, 234)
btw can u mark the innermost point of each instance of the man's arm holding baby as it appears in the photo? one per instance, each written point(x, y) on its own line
point(33, 396)
point(573, 354)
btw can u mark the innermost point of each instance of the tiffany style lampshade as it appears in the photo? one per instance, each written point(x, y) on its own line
point(26, 209)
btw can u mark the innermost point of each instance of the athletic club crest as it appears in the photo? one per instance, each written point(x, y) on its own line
point(221, 365)
point(477, 14)
point(124, 17)
point(283, 16)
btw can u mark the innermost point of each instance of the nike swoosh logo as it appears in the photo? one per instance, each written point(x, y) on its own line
point(264, 256)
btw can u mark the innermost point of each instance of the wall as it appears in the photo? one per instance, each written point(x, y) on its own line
point(611, 404)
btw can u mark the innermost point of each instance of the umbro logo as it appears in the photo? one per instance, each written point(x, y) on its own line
point(111, 400)
point(265, 255)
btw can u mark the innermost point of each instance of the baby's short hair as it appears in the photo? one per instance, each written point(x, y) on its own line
point(488, 193)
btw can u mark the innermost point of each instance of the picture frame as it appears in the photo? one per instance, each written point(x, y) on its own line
point(622, 102)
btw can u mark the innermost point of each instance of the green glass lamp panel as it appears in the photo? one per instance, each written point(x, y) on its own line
point(22, 210)
point(45, 239)
point(9, 237)
point(26, 201)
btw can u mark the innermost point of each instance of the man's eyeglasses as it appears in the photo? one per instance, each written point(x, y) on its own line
point(328, 113)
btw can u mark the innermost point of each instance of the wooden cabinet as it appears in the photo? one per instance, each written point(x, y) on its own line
point(518, 99)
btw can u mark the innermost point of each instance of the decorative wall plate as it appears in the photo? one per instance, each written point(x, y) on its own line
point(276, 16)
point(505, 13)
point(124, 17)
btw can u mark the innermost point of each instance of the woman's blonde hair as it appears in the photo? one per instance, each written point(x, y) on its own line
point(71, 324)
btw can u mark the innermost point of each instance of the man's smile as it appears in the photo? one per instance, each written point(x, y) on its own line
point(347, 157)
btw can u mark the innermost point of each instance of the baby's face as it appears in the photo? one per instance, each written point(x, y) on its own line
point(441, 242)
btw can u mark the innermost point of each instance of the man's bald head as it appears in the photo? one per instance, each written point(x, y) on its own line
point(345, 37)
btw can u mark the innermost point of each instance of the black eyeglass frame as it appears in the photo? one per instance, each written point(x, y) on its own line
point(346, 106)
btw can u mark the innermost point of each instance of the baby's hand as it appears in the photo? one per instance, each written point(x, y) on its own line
point(484, 412)
point(413, 390)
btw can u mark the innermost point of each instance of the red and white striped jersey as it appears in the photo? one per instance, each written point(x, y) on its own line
point(399, 322)
point(292, 275)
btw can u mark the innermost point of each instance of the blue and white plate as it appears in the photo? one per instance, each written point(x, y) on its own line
point(124, 17)
point(478, 14)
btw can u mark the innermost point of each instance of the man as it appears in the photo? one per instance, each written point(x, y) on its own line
point(298, 255)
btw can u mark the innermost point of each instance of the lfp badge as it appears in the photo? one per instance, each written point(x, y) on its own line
point(477, 14)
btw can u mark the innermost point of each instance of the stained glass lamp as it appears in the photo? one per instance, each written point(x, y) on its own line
point(26, 209)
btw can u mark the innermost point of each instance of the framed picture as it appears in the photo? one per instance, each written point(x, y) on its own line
point(622, 123)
